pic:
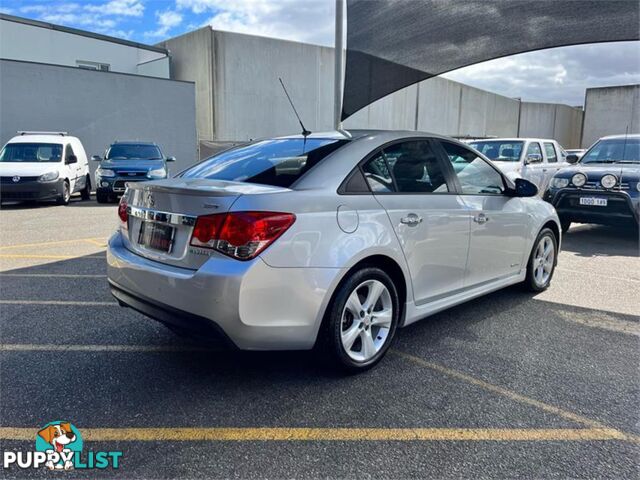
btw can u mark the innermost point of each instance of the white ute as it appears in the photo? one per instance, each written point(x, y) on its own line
point(534, 159)
point(44, 166)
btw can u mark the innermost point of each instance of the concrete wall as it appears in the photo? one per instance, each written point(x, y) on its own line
point(98, 107)
point(550, 120)
point(609, 111)
point(30, 43)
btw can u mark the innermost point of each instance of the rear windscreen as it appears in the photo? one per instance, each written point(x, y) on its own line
point(278, 162)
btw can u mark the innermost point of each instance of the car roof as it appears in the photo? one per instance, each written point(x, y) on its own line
point(354, 134)
point(618, 137)
point(42, 139)
point(134, 142)
point(515, 139)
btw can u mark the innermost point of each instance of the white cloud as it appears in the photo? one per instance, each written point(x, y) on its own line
point(130, 8)
point(310, 21)
point(166, 21)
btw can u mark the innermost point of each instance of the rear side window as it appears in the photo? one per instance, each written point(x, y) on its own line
point(278, 162)
point(551, 153)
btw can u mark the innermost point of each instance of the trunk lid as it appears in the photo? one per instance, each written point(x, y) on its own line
point(169, 209)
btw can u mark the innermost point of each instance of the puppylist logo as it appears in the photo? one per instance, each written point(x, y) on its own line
point(59, 447)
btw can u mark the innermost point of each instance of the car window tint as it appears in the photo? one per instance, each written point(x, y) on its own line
point(475, 175)
point(415, 167)
point(377, 174)
point(551, 152)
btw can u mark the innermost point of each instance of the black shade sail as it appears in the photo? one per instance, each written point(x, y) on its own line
point(392, 44)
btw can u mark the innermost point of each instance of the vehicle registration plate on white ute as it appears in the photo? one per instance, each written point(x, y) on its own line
point(593, 201)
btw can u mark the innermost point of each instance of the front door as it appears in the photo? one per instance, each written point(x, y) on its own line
point(534, 166)
point(431, 222)
point(498, 222)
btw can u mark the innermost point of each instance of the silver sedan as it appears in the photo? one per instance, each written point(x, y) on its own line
point(327, 240)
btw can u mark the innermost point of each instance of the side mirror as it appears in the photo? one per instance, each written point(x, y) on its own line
point(533, 158)
point(171, 159)
point(96, 158)
point(524, 188)
point(572, 158)
point(71, 159)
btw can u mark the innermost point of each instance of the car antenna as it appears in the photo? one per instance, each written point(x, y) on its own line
point(305, 132)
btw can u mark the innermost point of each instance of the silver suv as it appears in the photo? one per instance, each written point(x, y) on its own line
point(329, 241)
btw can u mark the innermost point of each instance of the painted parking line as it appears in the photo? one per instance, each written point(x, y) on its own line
point(58, 302)
point(40, 347)
point(48, 275)
point(197, 434)
point(58, 242)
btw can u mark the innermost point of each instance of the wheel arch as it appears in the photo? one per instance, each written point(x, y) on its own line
point(556, 229)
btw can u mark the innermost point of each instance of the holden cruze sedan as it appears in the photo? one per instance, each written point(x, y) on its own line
point(327, 241)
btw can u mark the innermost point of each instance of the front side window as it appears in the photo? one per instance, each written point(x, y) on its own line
point(277, 162)
point(551, 153)
point(475, 175)
point(69, 153)
point(500, 150)
point(121, 151)
point(31, 152)
point(535, 150)
point(616, 150)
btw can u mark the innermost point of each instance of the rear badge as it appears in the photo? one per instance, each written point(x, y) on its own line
point(200, 251)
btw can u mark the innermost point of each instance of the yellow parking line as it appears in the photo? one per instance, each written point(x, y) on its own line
point(58, 302)
point(44, 347)
point(102, 243)
point(57, 257)
point(329, 434)
point(44, 244)
point(48, 275)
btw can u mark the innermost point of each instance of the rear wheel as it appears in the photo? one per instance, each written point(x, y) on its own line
point(102, 197)
point(542, 261)
point(64, 198)
point(86, 191)
point(362, 320)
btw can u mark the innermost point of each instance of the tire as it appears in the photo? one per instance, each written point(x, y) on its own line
point(540, 267)
point(370, 337)
point(66, 194)
point(85, 194)
point(102, 197)
point(565, 224)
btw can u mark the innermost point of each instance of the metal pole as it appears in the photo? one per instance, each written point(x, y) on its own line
point(339, 66)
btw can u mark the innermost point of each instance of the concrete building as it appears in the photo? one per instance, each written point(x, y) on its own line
point(34, 41)
point(239, 97)
point(610, 111)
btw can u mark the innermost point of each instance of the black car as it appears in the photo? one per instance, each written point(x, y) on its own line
point(602, 187)
point(128, 162)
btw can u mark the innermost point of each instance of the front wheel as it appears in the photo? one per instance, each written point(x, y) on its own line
point(64, 198)
point(362, 320)
point(542, 261)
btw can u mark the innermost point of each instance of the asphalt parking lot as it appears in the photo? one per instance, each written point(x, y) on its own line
point(511, 385)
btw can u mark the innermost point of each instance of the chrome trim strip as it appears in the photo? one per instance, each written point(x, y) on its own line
point(164, 217)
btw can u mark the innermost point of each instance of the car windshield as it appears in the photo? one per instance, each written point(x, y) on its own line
point(128, 152)
point(278, 162)
point(499, 150)
point(31, 152)
point(616, 150)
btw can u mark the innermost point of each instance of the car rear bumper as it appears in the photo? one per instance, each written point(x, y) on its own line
point(253, 305)
point(32, 190)
point(621, 207)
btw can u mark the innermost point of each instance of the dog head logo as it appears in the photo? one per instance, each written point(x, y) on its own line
point(60, 438)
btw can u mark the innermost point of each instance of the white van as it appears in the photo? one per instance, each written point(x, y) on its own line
point(44, 166)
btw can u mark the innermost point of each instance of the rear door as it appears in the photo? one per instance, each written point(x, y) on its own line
point(498, 225)
point(431, 222)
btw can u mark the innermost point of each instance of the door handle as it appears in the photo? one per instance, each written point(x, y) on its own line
point(412, 220)
point(481, 218)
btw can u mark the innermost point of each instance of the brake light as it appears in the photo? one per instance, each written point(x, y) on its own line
point(122, 211)
point(241, 235)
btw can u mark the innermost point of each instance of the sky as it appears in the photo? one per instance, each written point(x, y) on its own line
point(555, 75)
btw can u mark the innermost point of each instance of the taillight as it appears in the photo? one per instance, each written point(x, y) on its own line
point(122, 211)
point(241, 235)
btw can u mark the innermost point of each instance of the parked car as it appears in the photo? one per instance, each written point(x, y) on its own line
point(126, 162)
point(330, 241)
point(578, 152)
point(44, 166)
point(536, 159)
point(602, 187)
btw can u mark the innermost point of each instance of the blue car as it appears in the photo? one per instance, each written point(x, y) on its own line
point(126, 162)
point(602, 187)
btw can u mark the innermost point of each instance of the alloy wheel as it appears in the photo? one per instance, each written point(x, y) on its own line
point(366, 320)
point(543, 261)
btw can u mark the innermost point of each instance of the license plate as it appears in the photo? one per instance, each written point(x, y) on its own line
point(156, 236)
point(593, 201)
